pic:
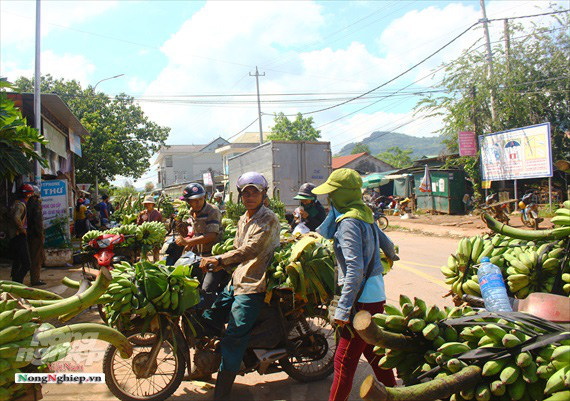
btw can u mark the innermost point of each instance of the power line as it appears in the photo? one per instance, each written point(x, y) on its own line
point(397, 76)
point(529, 16)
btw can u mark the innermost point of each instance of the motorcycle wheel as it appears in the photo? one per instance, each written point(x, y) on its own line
point(382, 222)
point(307, 368)
point(526, 222)
point(165, 378)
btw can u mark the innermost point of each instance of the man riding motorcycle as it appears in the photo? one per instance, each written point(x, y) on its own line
point(203, 233)
point(256, 239)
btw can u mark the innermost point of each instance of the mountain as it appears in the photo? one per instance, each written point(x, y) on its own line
point(379, 141)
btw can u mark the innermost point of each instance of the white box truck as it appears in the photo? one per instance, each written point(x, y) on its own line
point(286, 165)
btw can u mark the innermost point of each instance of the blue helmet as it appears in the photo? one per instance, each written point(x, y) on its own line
point(193, 191)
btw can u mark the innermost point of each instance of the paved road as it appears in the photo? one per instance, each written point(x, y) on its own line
point(417, 274)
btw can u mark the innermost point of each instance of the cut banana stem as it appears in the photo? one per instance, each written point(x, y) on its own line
point(69, 333)
point(498, 227)
point(78, 302)
point(444, 387)
point(372, 334)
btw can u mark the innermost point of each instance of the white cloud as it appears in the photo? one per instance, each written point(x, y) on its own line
point(136, 85)
point(214, 51)
point(68, 66)
point(17, 18)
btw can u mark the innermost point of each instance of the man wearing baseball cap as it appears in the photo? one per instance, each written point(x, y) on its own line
point(312, 212)
point(357, 242)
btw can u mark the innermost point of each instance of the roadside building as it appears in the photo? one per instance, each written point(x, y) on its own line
point(64, 134)
point(242, 143)
point(361, 162)
point(180, 164)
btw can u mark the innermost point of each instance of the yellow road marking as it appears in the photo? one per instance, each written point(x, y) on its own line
point(434, 280)
point(422, 264)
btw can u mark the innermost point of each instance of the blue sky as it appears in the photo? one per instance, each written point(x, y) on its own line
point(170, 50)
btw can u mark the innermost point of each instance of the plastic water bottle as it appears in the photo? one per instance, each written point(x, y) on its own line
point(493, 287)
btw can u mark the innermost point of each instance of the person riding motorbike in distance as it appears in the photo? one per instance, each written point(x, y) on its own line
point(256, 239)
point(313, 213)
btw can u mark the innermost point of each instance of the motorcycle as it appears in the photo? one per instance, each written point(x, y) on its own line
point(529, 212)
point(288, 336)
point(498, 209)
point(100, 252)
point(379, 217)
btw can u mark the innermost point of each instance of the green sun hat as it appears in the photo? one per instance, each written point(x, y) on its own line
point(342, 178)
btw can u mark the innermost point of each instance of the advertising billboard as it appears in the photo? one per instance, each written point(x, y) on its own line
point(516, 154)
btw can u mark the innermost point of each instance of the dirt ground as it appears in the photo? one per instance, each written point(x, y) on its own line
point(450, 225)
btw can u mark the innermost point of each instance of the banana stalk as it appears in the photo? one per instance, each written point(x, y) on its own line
point(28, 292)
point(70, 283)
point(73, 305)
point(373, 390)
point(498, 227)
point(372, 334)
point(68, 333)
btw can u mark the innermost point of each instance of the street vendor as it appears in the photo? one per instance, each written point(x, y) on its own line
point(312, 212)
point(18, 233)
point(357, 243)
point(240, 303)
point(150, 214)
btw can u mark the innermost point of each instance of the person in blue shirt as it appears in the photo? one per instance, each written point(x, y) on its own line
point(357, 243)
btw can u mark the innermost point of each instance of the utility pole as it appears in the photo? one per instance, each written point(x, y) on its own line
point(257, 75)
point(37, 96)
point(485, 21)
point(507, 44)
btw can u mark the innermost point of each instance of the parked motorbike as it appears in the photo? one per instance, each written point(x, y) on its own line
point(100, 252)
point(379, 217)
point(529, 212)
point(288, 336)
point(497, 209)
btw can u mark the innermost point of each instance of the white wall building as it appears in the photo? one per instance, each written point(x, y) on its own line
point(179, 164)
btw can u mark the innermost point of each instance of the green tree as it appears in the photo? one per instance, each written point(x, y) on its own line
point(396, 157)
point(127, 189)
point(17, 139)
point(122, 139)
point(359, 148)
point(149, 186)
point(531, 85)
point(301, 129)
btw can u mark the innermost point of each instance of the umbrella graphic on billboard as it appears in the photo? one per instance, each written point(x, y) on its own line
point(513, 150)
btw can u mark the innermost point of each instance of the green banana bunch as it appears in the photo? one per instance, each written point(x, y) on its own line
point(554, 368)
point(230, 231)
point(305, 265)
point(145, 289)
point(223, 247)
point(91, 235)
point(527, 266)
point(532, 270)
point(562, 216)
point(151, 233)
point(566, 280)
point(519, 375)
